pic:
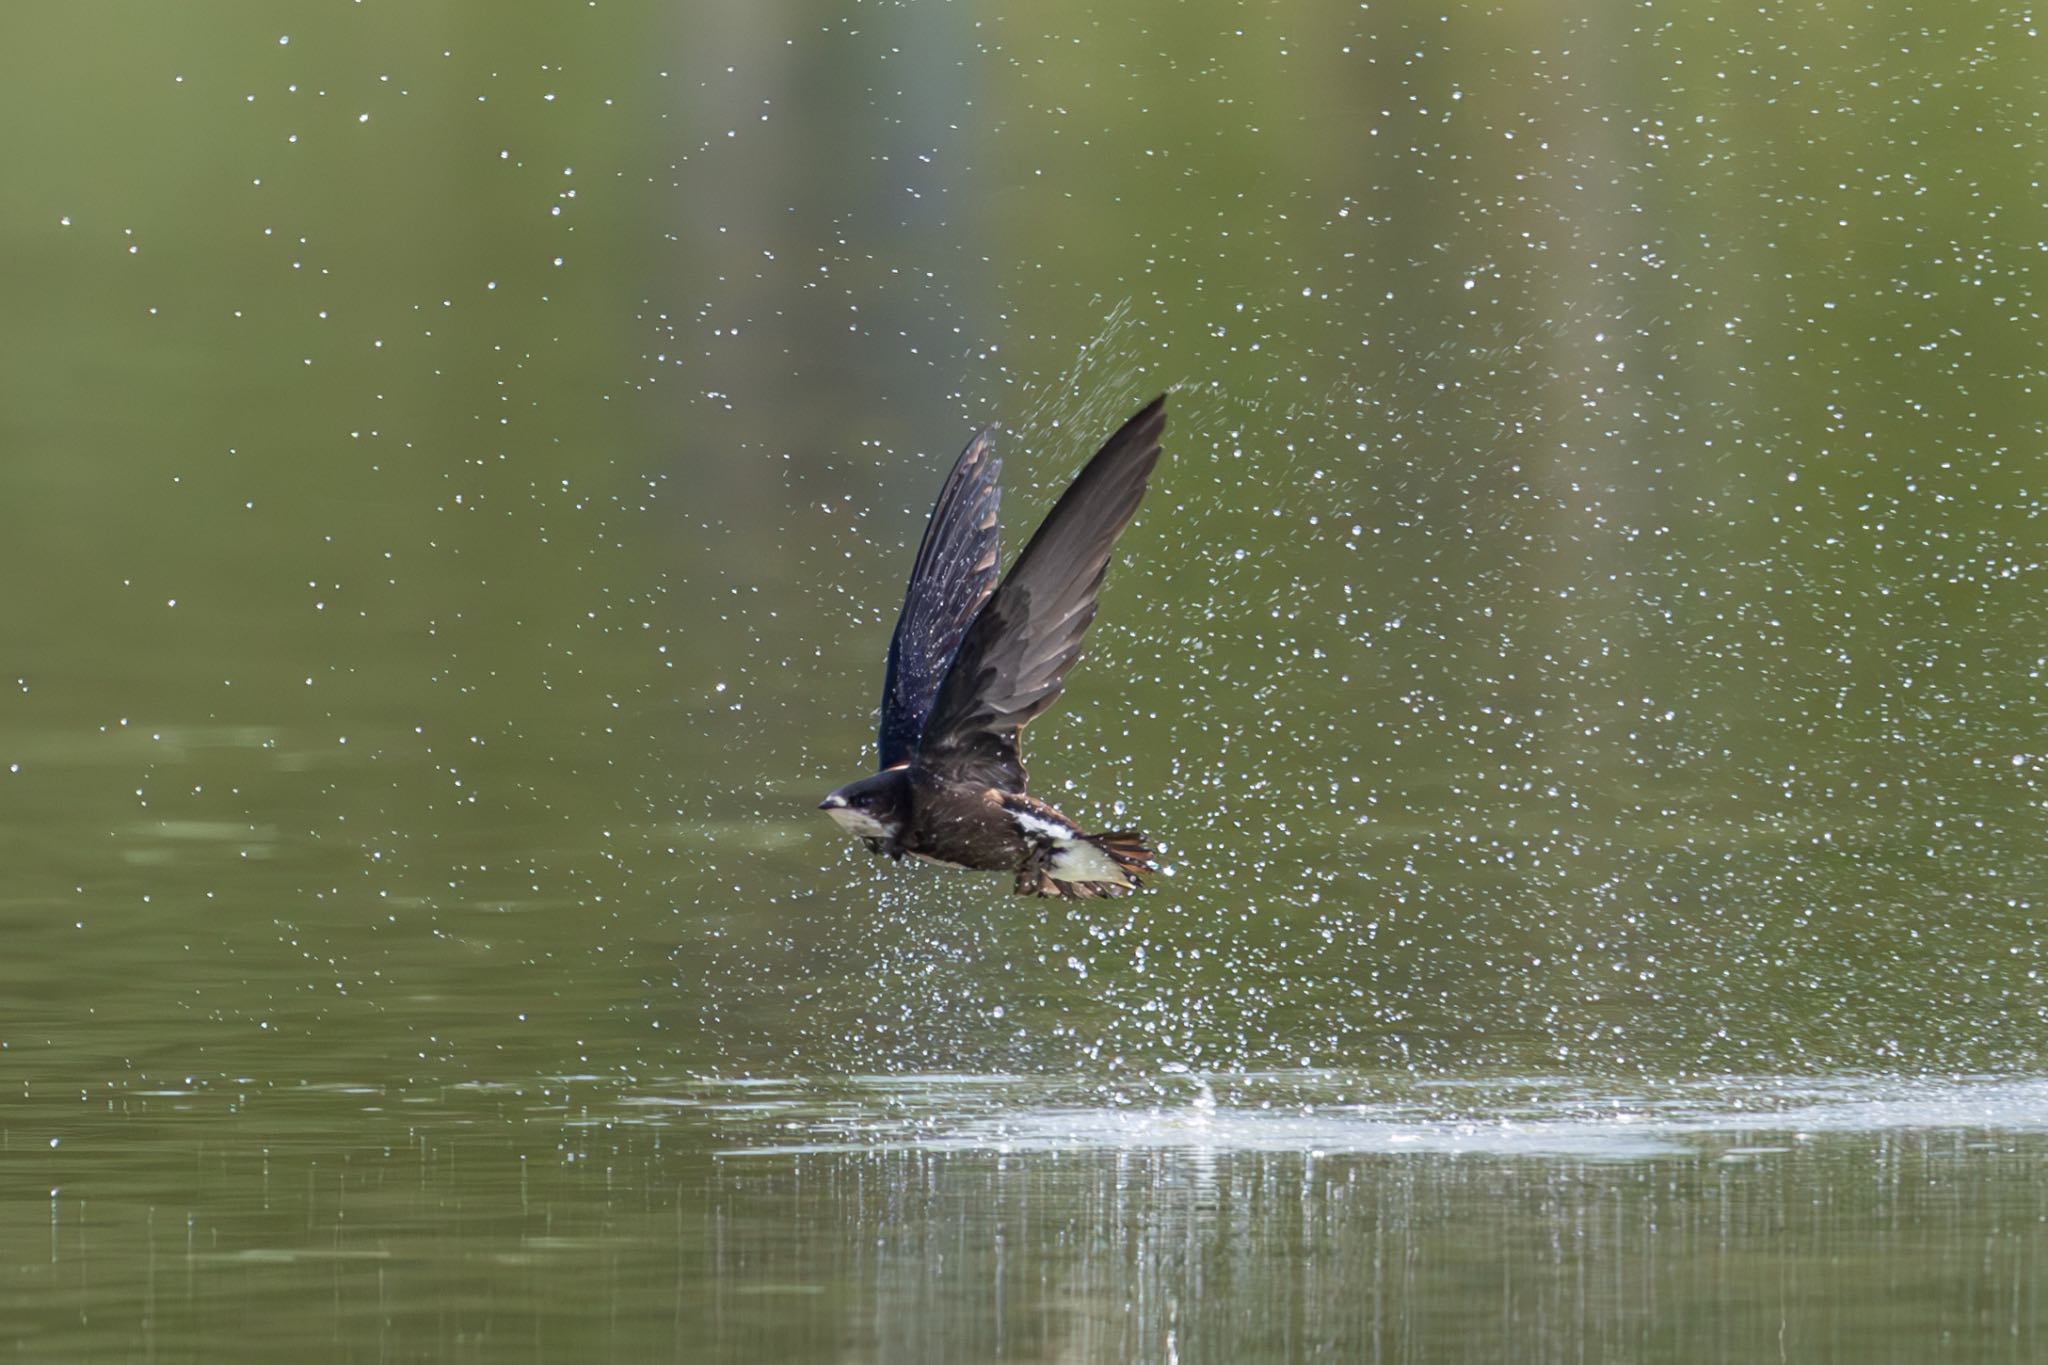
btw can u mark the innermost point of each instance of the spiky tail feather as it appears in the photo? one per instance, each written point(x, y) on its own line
point(1127, 848)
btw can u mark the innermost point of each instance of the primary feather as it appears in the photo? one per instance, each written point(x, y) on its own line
point(1013, 658)
point(953, 575)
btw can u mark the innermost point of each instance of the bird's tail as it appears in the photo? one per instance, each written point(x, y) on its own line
point(1085, 866)
point(1126, 848)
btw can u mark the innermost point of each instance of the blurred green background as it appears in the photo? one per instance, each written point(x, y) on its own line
point(461, 462)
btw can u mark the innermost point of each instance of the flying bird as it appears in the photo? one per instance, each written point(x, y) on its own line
point(972, 662)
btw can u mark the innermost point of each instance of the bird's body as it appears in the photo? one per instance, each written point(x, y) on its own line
point(971, 663)
point(910, 810)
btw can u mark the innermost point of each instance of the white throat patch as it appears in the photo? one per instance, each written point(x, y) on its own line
point(858, 822)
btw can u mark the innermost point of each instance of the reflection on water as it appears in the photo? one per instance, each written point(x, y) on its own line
point(1239, 1218)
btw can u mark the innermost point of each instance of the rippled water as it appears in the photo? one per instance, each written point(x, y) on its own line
point(1316, 1114)
point(1247, 1217)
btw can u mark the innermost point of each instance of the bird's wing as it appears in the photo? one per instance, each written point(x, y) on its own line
point(953, 576)
point(1012, 660)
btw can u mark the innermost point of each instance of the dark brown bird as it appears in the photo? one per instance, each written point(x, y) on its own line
point(972, 663)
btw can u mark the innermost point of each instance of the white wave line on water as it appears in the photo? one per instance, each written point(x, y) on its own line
point(1579, 1125)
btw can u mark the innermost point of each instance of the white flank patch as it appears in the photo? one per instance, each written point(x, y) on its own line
point(1074, 859)
point(858, 822)
point(1080, 861)
point(1038, 827)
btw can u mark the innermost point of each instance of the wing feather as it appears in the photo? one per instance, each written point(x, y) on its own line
point(954, 574)
point(1014, 657)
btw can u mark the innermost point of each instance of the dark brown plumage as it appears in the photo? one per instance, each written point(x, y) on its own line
point(972, 662)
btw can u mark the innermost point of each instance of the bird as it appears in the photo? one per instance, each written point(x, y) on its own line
point(973, 661)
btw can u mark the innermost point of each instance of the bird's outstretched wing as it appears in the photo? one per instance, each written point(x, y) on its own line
point(954, 573)
point(1012, 660)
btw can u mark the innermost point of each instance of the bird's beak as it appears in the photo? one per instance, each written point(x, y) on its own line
point(833, 802)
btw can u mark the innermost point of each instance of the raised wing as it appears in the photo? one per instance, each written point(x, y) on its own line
point(1015, 655)
point(954, 573)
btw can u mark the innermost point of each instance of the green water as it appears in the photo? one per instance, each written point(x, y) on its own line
point(1582, 658)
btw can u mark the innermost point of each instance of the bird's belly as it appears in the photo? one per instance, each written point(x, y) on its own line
point(980, 849)
point(965, 828)
point(938, 861)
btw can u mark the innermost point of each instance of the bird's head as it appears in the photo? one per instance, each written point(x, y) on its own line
point(872, 808)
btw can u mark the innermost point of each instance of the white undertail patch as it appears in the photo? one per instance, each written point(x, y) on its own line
point(1077, 860)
